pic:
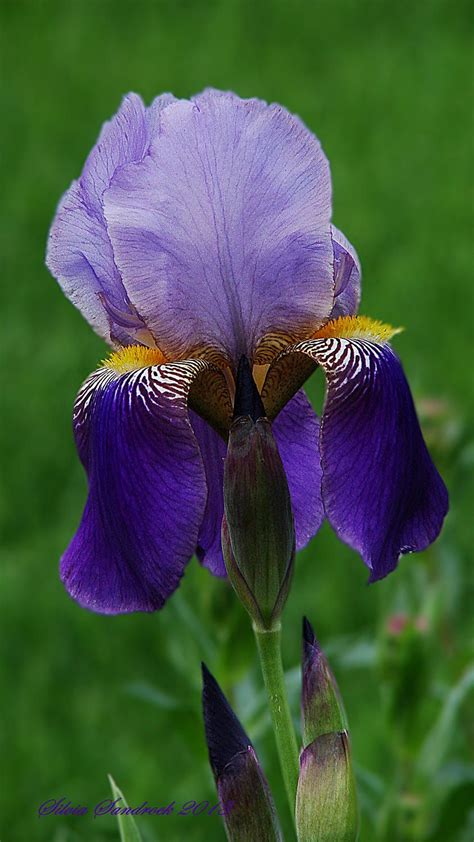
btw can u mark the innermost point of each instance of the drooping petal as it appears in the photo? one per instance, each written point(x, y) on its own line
point(222, 233)
point(79, 252)
point(381, 491)
point(213, 449)
point(296, 432)
point(347, 276)
point(285, 376)
point(147, 488)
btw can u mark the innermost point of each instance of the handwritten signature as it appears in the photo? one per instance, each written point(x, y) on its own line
point(108, 807)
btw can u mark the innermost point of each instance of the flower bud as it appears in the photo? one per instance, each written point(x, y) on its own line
point(258, 535)
point(326, 803)
point(246, 802)
point(326, 807)
point(322, 709)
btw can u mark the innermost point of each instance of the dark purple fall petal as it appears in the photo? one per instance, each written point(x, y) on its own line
point(213, 450)
point(147, 489)
point(296, 431)
point(347, 276)
point(222, 232)
point(244, 794)
point(381, 492)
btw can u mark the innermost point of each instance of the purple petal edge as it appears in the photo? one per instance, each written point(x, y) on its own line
point(146, 489)
point(381, 491)
point(347, 276)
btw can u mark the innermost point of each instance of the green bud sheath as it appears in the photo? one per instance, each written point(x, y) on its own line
point(326, 803)
point(258, 532)
point(326, 807)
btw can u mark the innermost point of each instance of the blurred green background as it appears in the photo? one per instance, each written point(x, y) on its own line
point(388, 89)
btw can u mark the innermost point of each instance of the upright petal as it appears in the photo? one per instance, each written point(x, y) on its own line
point(123, 139)
point(296, 432)
point(79, 252)
point(80, 257)
point(346, 276)
point(147, 489)
point(381, 492)
point(222, 233)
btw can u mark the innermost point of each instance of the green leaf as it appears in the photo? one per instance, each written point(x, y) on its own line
point(148, 693)
point(194, 625)
point(438, 740)
point(128, 830)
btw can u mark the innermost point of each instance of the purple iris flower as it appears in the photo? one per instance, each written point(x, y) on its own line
point(200, 232)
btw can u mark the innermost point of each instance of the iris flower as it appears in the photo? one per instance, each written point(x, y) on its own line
point(200, 233)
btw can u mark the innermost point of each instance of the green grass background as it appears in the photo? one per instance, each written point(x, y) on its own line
point(388, 89)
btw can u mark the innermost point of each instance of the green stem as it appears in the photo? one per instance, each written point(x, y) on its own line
point(269, 650)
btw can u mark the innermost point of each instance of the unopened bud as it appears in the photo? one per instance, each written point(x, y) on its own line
point(322, 710)
point(258, 535)
point(326, 803)
point(246, 802)
point(326, 807)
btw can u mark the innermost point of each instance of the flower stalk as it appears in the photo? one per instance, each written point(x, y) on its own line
point(269, 650)
point(258, 541)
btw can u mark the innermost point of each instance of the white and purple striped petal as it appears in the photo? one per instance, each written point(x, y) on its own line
point(147, 488)
point(381, 492)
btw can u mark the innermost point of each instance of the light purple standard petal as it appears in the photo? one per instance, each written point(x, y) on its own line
point(79, 253)
point(347, 276)
point(381, 492)
point(147, 488)
point(222, 232)
point(296, 432)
